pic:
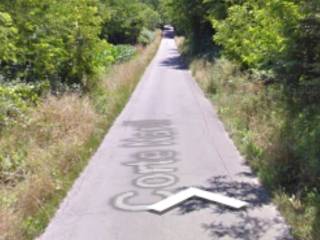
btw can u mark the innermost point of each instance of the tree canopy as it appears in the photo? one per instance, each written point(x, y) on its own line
point(67, 42)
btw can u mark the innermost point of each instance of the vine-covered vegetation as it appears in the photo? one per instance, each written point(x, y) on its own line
point(260, 61)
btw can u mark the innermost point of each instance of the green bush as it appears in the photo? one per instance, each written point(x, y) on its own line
point(12, 163)
point(258, 33)
point(302, 68)
point(123, 53)
point(8, 37)
point(16, 99)
point(56, 41)
point(127, 19)
point(303, 145)
point(125, 22)
point(190, 18)
point(146, 36)
point(66, 42)
point(151, 18)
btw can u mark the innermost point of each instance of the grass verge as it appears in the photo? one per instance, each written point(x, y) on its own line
point(275, 142)
point(45, 152)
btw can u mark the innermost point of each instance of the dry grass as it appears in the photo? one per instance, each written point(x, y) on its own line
point(123, 74)
point(121, 79)
point(53, 131)
point(241, 102)
point(47, 152)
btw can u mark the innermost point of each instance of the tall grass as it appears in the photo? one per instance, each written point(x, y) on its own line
point(44, 154)
point(258, 118)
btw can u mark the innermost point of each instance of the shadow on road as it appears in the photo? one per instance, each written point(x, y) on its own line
point(248, 224)
point(168, 33)
point(254, 194)
point(175, 62)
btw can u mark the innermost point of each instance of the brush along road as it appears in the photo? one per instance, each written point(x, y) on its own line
point(167, 139)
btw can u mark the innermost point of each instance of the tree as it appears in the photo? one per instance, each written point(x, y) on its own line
point(125, 23)
point(8, 37)
point(305, 52)
point(153, 3)
point(58, 41)
point(258, 33)
point(192, 18)
point(65, 42)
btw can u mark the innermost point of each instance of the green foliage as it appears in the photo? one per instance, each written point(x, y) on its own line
point(123, 53)
point(303, 146)
point(127, 20)
point(282, 38)
point(16, 99)
point(125, 23)
point(152, 3)
point(12, 164)
point(57, 41)
point(192, 19)
point(66, 42)
point(146, 36)
point(301, 70)
point(188, 17)
point(151, 18)
point(258, 33)
point(42, 156)
point(8, 37)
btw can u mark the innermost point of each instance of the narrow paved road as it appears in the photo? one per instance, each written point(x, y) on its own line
point(167, 138)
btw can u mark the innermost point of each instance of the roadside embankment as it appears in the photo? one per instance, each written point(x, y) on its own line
point(46, 150)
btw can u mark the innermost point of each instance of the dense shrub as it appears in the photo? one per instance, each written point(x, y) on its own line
point(123, 53)
point(66, 42)
point(302, 69)
point(127, 19)
point(151, 18)
point(258, 33)
point(55, 41)
point(191, 19)
point(146, 36)
point(124, 24)
point(8, 37)
point(154, 4)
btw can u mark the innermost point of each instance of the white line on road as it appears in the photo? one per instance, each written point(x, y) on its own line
point(184, 195)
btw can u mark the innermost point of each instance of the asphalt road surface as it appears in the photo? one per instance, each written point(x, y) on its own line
point(167, 138)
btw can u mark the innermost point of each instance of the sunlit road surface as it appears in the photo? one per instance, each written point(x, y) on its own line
point(168, 138)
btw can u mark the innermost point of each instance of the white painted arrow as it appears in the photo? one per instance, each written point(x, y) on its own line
point(184, 195)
